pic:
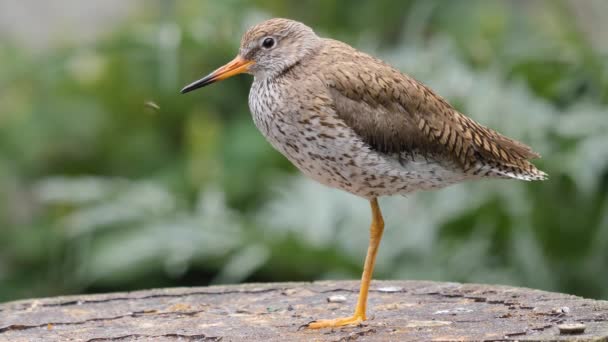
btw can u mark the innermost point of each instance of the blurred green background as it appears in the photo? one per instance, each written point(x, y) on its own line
point(100, 191)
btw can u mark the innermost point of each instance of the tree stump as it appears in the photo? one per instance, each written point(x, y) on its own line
point(398, 311)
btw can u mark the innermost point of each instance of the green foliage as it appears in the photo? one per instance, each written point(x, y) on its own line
point(100, 191)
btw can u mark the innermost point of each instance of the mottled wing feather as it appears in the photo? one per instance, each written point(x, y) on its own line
point(393, 112)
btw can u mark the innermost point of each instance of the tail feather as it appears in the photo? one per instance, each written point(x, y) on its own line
point(527, 171)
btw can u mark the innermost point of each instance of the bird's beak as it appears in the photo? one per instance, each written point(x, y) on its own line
point(237, 66)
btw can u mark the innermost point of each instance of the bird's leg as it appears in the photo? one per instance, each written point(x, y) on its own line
point(376, 229)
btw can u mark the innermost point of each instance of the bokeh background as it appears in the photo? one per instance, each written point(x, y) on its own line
point(110, 180)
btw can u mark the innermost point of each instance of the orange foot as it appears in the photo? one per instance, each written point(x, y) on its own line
point(334, 323)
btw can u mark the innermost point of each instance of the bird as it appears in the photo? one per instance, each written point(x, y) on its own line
point(350, 121)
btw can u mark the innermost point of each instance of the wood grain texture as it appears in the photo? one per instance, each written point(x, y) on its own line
point(401, 310)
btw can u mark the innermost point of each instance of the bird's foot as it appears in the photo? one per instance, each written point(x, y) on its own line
point(334, 323)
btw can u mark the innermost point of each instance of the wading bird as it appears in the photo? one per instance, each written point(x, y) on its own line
point(352, 122)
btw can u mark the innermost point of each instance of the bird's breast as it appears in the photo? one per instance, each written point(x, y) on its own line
point(318, 145)
point(265, 102)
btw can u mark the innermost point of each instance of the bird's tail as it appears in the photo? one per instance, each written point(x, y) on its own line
point(524, 171)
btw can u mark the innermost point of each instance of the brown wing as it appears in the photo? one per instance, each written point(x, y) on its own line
point(393, 112)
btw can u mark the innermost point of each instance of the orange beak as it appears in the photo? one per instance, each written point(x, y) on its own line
point(237, 66)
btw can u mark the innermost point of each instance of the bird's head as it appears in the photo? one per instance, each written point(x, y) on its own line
point(266, 50)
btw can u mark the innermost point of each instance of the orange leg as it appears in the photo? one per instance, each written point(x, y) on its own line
point(376, 229)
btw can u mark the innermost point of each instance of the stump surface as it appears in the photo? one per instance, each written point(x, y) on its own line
point(398, 310)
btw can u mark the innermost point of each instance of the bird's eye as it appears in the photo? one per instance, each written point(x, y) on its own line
point(268, 43)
